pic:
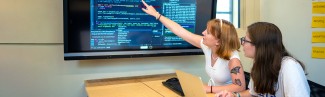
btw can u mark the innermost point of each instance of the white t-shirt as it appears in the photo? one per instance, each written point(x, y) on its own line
point(219, 73)
point(292, 81)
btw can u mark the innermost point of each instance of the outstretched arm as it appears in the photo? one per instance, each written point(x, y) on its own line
point(173, 26)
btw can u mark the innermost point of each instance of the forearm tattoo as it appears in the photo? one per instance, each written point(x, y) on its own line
point(237, 82)
point(235, 70)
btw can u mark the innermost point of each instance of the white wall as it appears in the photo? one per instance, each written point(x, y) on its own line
point(293, 17)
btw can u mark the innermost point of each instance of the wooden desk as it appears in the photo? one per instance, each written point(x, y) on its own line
point(139, 86)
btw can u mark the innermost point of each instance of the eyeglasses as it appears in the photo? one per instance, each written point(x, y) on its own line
point(243, 40)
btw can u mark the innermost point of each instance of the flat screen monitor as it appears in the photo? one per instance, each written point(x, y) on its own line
point(104, 29)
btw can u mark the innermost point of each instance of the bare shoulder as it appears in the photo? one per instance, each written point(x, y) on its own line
point(234, 62)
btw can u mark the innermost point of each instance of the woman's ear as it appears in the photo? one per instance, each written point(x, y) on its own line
point(218, 42)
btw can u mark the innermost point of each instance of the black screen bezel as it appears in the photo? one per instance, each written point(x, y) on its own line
point(77, 19)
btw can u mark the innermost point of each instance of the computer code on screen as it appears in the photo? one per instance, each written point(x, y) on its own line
point(121, 24)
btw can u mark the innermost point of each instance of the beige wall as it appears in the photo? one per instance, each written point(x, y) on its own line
point(31, 53)
point(40, 71)
point(250, 11)
point(294, 19)
point(31, 21)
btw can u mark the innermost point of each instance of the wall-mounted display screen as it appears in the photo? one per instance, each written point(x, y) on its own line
point(100, 29)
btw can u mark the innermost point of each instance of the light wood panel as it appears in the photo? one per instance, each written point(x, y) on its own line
point(160, 88)
point(138, 86)
point(122, 90)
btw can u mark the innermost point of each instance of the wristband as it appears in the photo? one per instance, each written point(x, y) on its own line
point(211, 89)
point(159, 17)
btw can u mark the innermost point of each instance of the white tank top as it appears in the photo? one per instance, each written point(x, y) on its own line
point(219, 73)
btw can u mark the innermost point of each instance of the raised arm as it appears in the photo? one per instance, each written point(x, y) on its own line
point(173, 26)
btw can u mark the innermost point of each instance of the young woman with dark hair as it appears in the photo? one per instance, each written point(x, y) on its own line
point(275, 72)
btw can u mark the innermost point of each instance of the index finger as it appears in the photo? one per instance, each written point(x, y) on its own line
point(144, 3)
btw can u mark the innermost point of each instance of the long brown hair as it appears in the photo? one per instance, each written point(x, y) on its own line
point(269, 51)
point(227, 35)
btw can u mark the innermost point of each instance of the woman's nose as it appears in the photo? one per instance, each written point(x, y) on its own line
point(204, 32)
